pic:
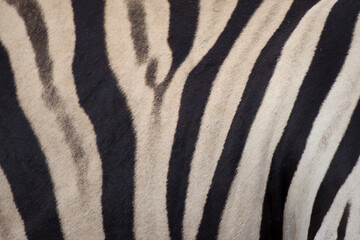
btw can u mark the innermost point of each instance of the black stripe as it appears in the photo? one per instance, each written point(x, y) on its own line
point(24, 163)
point(344, 160)
point(244, 117)
point(30, 11)
point(326, 64)
point(183, 21)
point(106, 107)
point(195, 94)
point(341, 231)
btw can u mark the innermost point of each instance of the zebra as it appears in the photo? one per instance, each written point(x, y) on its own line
point(197, 119)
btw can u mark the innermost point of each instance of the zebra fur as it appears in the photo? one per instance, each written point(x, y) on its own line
point(199, 119)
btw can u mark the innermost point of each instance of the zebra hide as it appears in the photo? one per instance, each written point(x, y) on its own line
point(179, 119)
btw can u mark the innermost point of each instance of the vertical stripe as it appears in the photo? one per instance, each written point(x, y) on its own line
point(327, 131)
point(136, 15)
point(37, 31)
point(150, 219)
point(11, 223)
point(242, 213)
point(192, 106)
point(106, 107)
point(347, 194)
point(247, 109)
point(343, 223)
point(154, 138)
point(183, 20)
point(213, 17)
point(353, 222)
point(338, 171)
point(158, 17)
point(86, 204)
point(221, 107)
point(180, 38)
point(77, 197)
point(22, 160)
point(329, 57)
point(70, 200)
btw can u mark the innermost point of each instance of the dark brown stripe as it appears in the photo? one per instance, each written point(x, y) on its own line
point(136, 16)
point(151, 73)
point(37, 31)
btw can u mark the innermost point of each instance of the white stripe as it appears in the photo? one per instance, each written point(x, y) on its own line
point(353, 225)
point(348, 193)
point(325, 136)
point(74, 208)
point(222, 104)
point(11, 223)
point(157, 22)
point(154, 138)
point(242, 213)
point(151, 163)
point(58, 17)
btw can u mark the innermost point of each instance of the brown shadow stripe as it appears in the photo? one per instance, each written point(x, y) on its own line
point(106, 106)
point(24, 163)
point(136, 16)
point(37, 31)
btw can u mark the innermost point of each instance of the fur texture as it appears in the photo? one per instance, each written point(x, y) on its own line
point(177, 119)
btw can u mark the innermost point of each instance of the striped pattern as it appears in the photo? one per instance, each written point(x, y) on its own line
point(197, 119)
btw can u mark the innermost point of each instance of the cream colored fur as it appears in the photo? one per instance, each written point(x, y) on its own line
point(154, 139)
point(348, 193)
point(242, 214)
point(328, 130)
point(222, 104)
point(80, 210)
